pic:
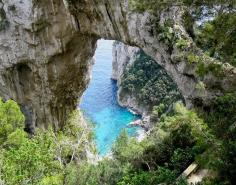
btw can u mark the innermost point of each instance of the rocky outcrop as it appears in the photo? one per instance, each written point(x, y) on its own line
point(122, 57)
point(130, 62)
point(46, 49)
point(44, 60)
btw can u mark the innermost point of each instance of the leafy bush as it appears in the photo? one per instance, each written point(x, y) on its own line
point(105, 172)
point(217, 37)
point(162, 175)
point(221, 114)
point(11, 119)
point(182, 44)
point(192, 58)
point(44, 158)
point(181, 158)
point(30, 161)
point(166, 34)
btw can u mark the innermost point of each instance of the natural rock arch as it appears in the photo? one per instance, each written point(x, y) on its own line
point(56, 40)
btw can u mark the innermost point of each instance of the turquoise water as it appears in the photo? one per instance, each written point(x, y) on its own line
point(99, 101)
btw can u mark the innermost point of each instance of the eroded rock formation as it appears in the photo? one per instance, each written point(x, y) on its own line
point(123, 57)
point(142, 83)
point(44, 60)
point(46, 49)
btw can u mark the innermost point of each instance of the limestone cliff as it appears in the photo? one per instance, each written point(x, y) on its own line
point(47, 48)
point(142, 83)
point(123, 58)
point(44, 60)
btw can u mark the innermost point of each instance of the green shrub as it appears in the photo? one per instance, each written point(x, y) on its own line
point(213, 68)
point(42, 159)
point(182, 44)
point(221, 114)
point(192, 58)
point(106, 172)
point(200, 86)
point(201, 69)
point(181, 159)
point(11, 119)
point(30, 161)
point(165, 33)
point(217, 37)
point(162, 175)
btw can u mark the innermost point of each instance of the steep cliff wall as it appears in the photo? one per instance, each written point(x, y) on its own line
point(47, 48)
point(142, 83)
point(44, 60)
point(123, 57)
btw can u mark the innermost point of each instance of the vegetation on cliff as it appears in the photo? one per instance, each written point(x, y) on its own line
point(148, 83)
point(210, 23)
point(205, 135)
point(178, 140)
point(220, 116)
point(210, 44)
point(217, 37)
point(43, 159)
point(160, 158)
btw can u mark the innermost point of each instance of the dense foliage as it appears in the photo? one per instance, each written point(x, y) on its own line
point(221, 117)
point(217, 37)
point(149, 83)
point(154, 5)
point(11, 119)
point(60, 158)
point(160, 158)
point(47, 158)
point(173, 144)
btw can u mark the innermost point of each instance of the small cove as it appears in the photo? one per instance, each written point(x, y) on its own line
point(99, 102)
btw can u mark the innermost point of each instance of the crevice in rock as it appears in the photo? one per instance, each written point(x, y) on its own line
point(115, 27)
point(77, 23)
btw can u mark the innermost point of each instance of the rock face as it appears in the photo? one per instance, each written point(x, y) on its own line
point(46, 49)
point(141, 82)
point(123, 57)
point(44, 60)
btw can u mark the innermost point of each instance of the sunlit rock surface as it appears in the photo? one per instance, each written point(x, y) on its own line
point(46, 50)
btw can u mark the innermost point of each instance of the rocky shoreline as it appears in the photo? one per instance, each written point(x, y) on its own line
point(138, 89)
point(123, 57)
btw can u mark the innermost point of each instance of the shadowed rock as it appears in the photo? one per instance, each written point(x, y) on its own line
point(47, 48)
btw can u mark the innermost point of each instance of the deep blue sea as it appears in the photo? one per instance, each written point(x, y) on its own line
point(99, 102)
